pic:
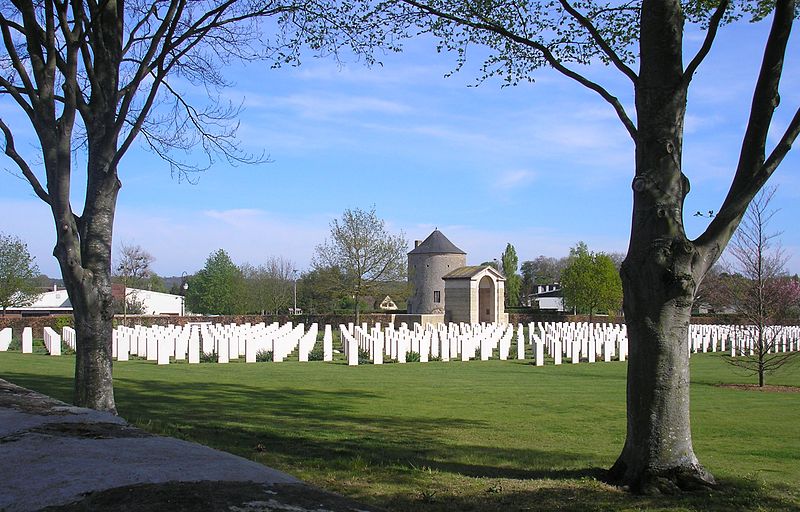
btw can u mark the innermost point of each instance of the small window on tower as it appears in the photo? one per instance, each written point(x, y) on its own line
point(437, 296)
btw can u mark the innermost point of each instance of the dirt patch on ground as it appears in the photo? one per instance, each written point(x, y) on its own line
point(90, 430)
point(213, 496)
point(25, 400)
point(764, 389)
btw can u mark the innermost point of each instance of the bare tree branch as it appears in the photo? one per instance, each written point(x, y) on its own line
point(713, 26)
point(783, 146)
point(20, 69)
point(601, 42)
point(22, 164)
point(751, 173)
point(545, 52)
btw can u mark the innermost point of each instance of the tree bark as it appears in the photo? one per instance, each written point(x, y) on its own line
point(660, 273)
point(83, 250)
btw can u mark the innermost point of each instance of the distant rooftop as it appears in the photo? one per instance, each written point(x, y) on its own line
point(436, 243)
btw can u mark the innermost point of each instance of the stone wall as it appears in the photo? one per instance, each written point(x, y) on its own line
point(460, 307)
point(425, 273)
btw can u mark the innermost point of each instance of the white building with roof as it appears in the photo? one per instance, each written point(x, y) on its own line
point(56, 302)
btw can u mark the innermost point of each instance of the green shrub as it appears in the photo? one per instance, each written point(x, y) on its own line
point(15, 345)
point(363, 357)
point(61, 322)
point(317, 354)
point(209, 357)
point(264, 356)
point(412, 357)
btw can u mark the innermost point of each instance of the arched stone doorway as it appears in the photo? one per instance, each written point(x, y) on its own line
point(486, 300)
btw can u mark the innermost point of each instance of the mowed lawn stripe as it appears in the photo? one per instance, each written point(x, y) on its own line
point(494, 435)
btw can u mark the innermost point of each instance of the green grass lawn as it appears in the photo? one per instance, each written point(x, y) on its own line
point(482, 436)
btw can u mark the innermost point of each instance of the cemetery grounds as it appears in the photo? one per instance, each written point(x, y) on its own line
point(467, 436)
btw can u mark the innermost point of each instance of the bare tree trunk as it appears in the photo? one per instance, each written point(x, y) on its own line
point(83, 249)
point(660, 274)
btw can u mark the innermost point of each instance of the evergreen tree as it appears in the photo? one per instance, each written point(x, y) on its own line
point(513, 280)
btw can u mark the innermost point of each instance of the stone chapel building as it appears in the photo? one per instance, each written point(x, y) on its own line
point(446, 289)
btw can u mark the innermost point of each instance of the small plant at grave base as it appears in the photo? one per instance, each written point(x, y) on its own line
point(66, 350)
point(264, 356)
point(412, 357)
point(209, 357)
point(363, 357)
point(427, 495)
point(15, 345)
point(318, 354)
point(495, 488)
point(435, 359)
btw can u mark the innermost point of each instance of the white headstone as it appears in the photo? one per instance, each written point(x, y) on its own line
point(539, 351)
point(27, 340)
point(250, 350)
point(152, 347)
point(223, 348)
point(194, 345)
point(123, 346)
point(5, 339)
point(445, 349)
point(163, 350)
point(352, 351)
point(327, 344)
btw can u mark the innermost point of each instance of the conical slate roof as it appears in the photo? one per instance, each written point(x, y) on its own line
point(436, 243)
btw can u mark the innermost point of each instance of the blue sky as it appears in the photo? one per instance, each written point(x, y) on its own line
point(541, 165)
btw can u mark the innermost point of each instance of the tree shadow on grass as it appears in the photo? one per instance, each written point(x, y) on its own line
point(332, 439)
point(589, 496)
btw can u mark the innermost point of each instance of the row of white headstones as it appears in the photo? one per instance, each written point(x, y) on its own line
point(559, 341)
point(52, 340)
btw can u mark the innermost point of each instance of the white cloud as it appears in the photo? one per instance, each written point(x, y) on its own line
point(509, 180)
point(326, 105)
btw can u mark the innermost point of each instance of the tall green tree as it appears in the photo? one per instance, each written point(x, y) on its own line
point(95, 76)
point(18, 274)
point(513, 281)
point(365, 252)
point(590, 283)
point(644, 41)
point(217, 289)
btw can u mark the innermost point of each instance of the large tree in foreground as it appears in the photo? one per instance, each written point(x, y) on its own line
point(365, 252)
point(93, 76)
point(663, 267)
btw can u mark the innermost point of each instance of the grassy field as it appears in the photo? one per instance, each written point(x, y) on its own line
point(482, 436)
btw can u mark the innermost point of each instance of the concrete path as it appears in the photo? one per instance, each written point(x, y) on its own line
point(55, 456)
